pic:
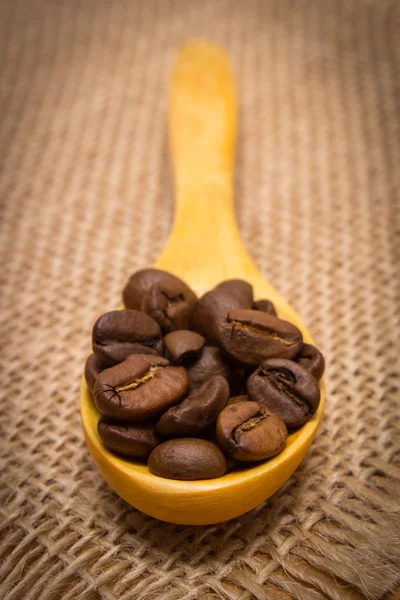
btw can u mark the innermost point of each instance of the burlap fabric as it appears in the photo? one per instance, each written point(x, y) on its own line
point(85, 201)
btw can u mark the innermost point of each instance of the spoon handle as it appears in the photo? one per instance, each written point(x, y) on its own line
point(204, 244)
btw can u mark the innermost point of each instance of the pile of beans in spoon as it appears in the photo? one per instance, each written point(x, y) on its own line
point(197, 386)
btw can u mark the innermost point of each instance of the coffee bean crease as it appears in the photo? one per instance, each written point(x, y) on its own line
point(138, 381)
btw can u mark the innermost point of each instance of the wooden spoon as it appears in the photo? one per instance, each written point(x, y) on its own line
point(204, 248)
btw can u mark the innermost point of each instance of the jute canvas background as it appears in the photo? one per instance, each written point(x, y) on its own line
point(86, 200)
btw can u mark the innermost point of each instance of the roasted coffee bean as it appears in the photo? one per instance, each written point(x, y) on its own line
point(285, 388)
point(228, 295)
point(251, 336)
point(183, 345)
point(248, 431)
point(241, 398)
point(170, 304)
point(210, 435)
point(187, 458)
point(208, 364)
point(197, 411)
point(93, 368)
point(265, 306)
point(311, 359)
point(141, 387)
point(134, 440)
point(120, 333)
point(238, 288)
point(140, 283)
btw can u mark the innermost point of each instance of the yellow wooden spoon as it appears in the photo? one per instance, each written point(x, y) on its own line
point(204, 248)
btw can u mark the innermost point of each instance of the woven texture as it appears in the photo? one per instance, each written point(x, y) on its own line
point(85, 201)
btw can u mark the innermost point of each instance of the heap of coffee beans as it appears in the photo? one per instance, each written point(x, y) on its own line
point(197, 386)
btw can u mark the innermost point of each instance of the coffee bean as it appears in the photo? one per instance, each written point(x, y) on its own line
point(140, 283)
point(285, 388)
point(134, 440)
point(228, 295)
point(183, 345)
point(120, 333)
point(211, 436)
point(170, 304)
point(197, 411)
point(248, 431)
point(141, 387)
point(187, 458)
point(93, 368)
point(208, 364)
point(238, 288)
point(251, 336)
point(311, 358)
point(265, 306)
point(241, 398)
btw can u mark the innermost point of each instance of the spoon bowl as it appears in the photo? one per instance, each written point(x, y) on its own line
point(204, 249)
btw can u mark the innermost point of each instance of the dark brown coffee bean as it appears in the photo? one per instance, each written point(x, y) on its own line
point(285, 388)
point(134, 440)
point(187, 458)
point(120, 333)
point(210, 435)
point(239, 289)
point(93, 368)
point(197, 411)
point(170, 304)
point(141, 387)
point(183, 345)
point(311, 358)
point(265, 306)
point(208, 364)
point(228, 295)
point(140, 283)
point(248, 431)
point(241, 398)
point(251, 336)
